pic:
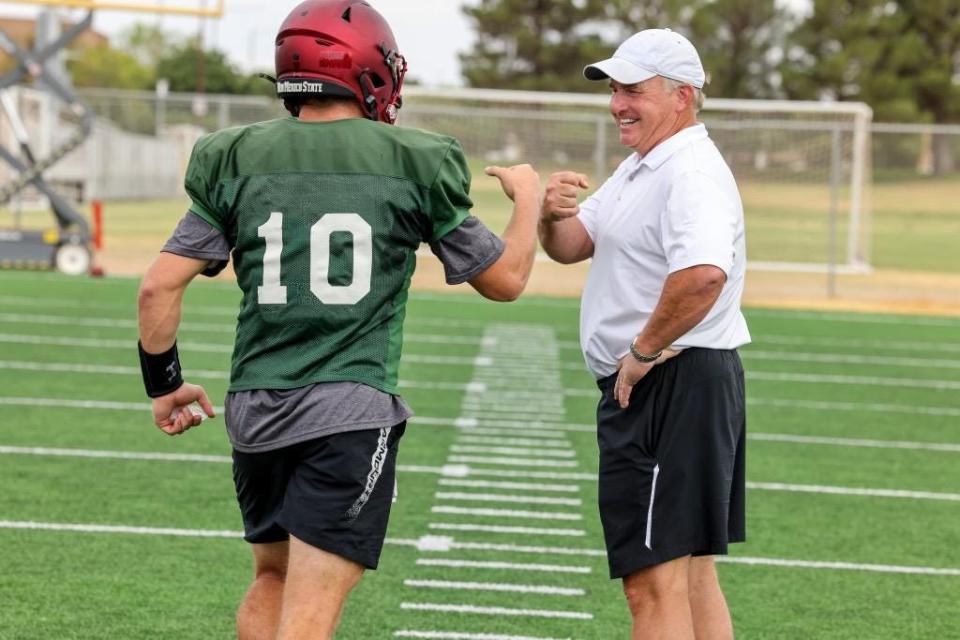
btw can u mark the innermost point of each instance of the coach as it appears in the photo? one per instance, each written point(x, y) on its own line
point(666, 236)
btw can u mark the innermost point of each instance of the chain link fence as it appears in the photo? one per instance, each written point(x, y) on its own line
point(824, 188)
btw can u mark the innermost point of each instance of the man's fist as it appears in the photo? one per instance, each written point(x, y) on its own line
point(560, 200)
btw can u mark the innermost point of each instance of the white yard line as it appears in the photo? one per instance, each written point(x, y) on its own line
point(461, 635)
point(506, 513)
point(114, 455)
point(206, 533)
point(868, 381)
point(493, 528)
point(844, 566)
point(104, 528)
point(519, 442)
point(506, 566)
point(854, 491)
point(853, 343)
point(855, 442)
point(495, 586)
point(515, 499)
point(519, 486)
point(515, 451)
point(837, 358)
point(872, 407)
point(514, 462)
point(495, 611)
point(856, 318)
point(766, 486)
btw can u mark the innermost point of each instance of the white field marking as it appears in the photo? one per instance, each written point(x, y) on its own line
point(528, 442)
point(527, 433)
point(525, 425)
point(463, 471)
point(496, 564)
point(66, 403)
point(95, 343)
point(499, 497)
point(515, 462)
point(865, 319)
point(855, 442)
point(495, 611)
point(883, 345)
point(104, 528)
point(844, 566)
point(114, 455)
point(495, 586)
point(766, 486)
point(69, 367)
point(460, 635)
point(827, 405)
point(521, 531)
point(519, 486)
point(810, 378)
point(205, 533)
point(854, 491)
point(471, 406)
point(515, 451)
point(515, 548)
point(869, 381)
point(451, 360)
point(471, 387)
point(506, 513)
point(111, 323)
point(837, 358)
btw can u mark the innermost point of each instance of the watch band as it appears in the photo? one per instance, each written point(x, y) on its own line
point(644, 358)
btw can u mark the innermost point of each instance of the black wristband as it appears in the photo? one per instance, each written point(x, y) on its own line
point(161, 371)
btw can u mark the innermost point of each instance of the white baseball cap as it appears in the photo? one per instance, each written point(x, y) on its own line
point(653, 52)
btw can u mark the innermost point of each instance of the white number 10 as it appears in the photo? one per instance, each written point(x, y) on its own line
point(272, 292)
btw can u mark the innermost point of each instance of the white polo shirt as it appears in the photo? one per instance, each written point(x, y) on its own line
point(674, 208)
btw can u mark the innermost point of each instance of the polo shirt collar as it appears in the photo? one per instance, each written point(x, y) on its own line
point(663, 151)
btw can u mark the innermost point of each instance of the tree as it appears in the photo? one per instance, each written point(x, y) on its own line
point(534, 44)
point(738, 41)
point(105, 67)
point(148, 43)
point(899, 56)
point(191, 69)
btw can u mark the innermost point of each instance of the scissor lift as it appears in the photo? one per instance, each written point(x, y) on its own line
point(67, 247)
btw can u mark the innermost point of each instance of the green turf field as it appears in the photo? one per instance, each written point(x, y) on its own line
point(853, 464)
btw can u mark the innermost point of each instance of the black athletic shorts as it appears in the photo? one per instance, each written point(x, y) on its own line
point(672, 479)
point(333, 492)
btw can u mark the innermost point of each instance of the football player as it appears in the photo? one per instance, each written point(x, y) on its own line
point(322, 212)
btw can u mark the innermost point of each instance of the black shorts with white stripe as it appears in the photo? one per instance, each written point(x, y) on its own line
point(333, 492)
point(672, 479)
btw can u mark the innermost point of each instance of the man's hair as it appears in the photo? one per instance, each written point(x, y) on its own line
point(672, 85)
point(295, 104)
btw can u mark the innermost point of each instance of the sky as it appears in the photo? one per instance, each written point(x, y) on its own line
point(430, 33)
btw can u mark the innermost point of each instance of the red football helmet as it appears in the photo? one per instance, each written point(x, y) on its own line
point(341, 48)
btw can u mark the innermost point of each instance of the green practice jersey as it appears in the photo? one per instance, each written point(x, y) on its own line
point(325, 219)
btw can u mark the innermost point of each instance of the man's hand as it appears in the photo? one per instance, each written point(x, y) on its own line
point(172, 414)
point(560, 200)
point(518, 179)
point(630, 371)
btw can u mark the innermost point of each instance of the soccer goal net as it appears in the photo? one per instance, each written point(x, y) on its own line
point(803, 167)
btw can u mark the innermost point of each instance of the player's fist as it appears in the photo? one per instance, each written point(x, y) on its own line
point(560, 199)
point(520, 179)
point(173, 414)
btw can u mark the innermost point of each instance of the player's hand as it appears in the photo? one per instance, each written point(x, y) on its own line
point(172, 413)
point(518, 179)
point(630, 371)
point(560, 200)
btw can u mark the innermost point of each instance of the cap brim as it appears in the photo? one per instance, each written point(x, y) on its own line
point(617, 69)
